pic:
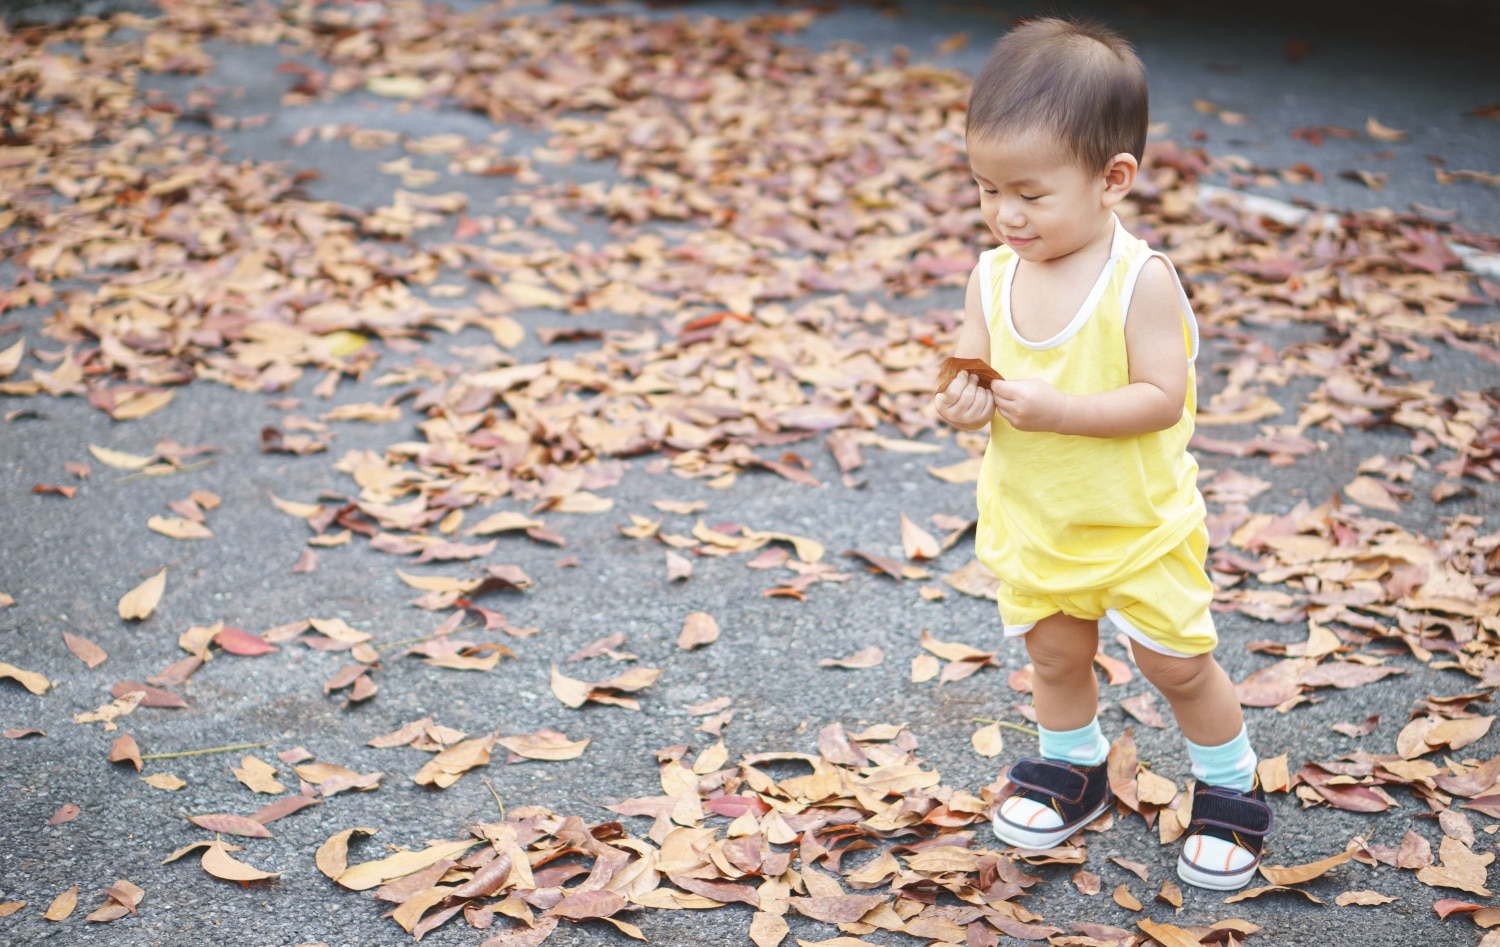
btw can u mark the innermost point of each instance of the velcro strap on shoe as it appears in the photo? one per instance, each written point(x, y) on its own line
point(1233, 811)
point(1049, 777)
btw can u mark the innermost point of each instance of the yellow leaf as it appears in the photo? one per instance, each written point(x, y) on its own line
point(30, 680)
point(698, 629)
point(300, 510)
point(62, 906)
point(10, 359)
point(344, 342)
point(1299, 873)
point(146, 402)
point(571, 692)
point(258, 776)
point(987, 741)
point(503, 522)
point(333, 855)
point(1381, 132)
point(216, 862)
point(371, 874)
point(178, 527)
point(397, 87)
point(119, 459)
point(141, 601)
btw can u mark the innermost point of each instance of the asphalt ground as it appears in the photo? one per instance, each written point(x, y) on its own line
point(66, 562)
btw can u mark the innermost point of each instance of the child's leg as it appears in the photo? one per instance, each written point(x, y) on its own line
point(1230, 815)
point(1208, 713)
point(1064, 689)
point(1068, 787)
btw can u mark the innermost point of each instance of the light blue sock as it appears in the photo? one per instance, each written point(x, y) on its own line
point(1085, 746)
point(1229, 764)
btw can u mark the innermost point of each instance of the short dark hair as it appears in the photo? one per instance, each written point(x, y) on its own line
point(1077, 79)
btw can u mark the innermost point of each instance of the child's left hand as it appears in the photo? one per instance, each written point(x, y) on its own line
point(1030, 404)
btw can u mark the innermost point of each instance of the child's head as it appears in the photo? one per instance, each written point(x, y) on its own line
point(1061, 107)
point(1078, 82)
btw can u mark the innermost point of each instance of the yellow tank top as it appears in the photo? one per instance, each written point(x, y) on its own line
point(1062, 513)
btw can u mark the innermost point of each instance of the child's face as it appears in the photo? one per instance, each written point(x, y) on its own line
point(1036, 198)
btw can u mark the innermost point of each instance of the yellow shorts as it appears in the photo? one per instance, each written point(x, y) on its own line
point(1164, 607)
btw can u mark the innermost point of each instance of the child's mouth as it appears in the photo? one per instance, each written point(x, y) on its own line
point(1018, 243)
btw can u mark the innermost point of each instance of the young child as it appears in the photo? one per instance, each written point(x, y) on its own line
point(1088, 501)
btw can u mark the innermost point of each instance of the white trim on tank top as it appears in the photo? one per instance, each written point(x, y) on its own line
point(1082, 315)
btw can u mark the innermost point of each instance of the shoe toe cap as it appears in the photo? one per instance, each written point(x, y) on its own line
point(1030, 814)
point(1208, 853)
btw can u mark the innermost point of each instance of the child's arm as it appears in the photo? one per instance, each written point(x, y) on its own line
point(965, 404)
point(1153, 401)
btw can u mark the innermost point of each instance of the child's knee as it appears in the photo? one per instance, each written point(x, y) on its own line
point(1184, 676)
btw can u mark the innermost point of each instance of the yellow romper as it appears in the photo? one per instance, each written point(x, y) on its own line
point(1093, 527)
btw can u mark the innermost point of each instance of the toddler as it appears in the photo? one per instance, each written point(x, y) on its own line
point(1088, 501)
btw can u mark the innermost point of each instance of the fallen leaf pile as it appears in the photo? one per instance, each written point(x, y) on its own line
point(776, 217)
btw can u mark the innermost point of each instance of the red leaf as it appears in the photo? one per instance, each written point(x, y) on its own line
point(732, 807)
point(242, 643)
point(154, 696)
point(230, 825)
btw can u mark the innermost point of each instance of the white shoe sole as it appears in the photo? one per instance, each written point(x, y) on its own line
point(1019, 836)
point(1214, 881)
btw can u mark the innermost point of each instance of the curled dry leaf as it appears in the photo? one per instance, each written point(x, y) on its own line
point(444, 769)
point(177, 527)
point(859, 660)
point(333, 855)
point(216, 862)
point(124, 750)
point(141, 601)
point(30, 680)
point(124, 898)
point(1298, 874)
point(1251, 893)
point(916, 542)
point(1125, 899)
point(258, 776)
point(544, 744)
point(370, 874)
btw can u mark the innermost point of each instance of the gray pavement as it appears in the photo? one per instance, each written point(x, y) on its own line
point(66, 562)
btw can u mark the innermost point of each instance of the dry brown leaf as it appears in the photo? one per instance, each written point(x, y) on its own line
point(698, 629)
point(1363, 898)
point(216, 862)
point(1250, 893)
point(124, 750)
point(62, 906)
point(1297, 874)
point(30, 680)
point(1125, 899)
point(164, 781)
point(370, 874)
point(332, 857)
point(1381, 132)
point(141, 601)
point(987, 741)
point(916, 542)
point(544, 744)
point(258, 776)
point(1458, 867)
point(85, 650)
point(178, 527)
point(869, 657)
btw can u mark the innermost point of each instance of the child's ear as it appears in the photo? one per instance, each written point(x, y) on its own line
point(1119, 177)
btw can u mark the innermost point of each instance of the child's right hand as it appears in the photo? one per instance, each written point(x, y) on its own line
point(965, 403)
